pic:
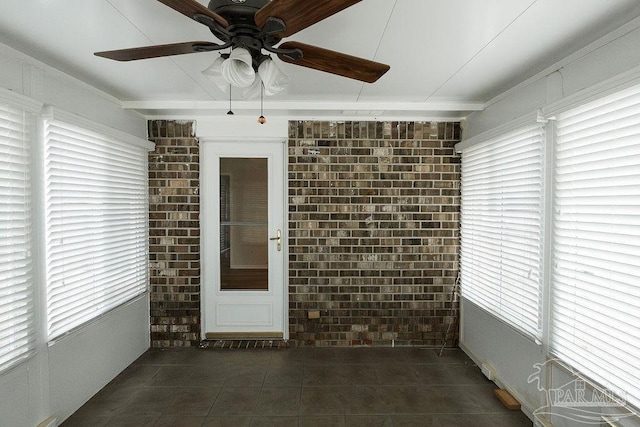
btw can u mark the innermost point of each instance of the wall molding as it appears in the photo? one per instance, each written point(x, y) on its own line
point(20, 101)
point(59, 115)
point(607, 87)
point(510, 126)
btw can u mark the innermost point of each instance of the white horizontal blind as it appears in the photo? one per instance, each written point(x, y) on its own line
point(501, 227)
point(96, 224)
point(17, 326)
point(595, 311)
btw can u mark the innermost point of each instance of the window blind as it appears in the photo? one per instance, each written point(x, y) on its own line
point(17, 326)
point(96, 224)
point(595, 308)
point(501, 227)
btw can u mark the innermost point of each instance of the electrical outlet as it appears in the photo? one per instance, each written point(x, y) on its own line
point(488, 371)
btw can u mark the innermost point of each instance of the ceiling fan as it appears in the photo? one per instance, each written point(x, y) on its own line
point(258, 25)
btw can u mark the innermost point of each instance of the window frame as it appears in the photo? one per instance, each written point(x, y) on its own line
point(20, 317)
point(574, 126)
point(517, 213)
point(88, 165)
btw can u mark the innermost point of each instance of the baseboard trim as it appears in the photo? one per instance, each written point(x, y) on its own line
point(525, 406)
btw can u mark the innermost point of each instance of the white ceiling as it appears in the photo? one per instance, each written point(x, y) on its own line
point(447, 57)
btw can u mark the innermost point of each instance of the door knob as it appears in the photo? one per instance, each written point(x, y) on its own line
point(278, 239)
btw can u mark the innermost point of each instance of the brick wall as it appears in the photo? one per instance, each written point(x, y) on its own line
point(174, 231)
point(373, 231)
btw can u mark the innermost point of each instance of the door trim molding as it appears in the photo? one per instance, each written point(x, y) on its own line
point(206, 144)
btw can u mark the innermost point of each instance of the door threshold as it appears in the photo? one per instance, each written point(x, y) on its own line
point(243, 335)
point(244, 344)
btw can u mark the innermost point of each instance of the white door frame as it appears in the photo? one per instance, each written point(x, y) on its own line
point(211, 149)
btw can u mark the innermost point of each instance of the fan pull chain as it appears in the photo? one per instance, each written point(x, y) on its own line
point(230, 112)
point(262, 120)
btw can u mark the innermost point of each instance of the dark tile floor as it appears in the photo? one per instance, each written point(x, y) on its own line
point(298, 387)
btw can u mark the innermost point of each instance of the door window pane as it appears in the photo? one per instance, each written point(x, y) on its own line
point(243, 224)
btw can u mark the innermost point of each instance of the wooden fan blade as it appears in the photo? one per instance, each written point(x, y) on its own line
point(335, 62)
point(300, 14)
point(156, 51)
point(191, 8)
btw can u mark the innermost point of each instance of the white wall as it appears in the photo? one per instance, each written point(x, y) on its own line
point(241, 127)
point(84, 362)
point(512, 356)
point(27, 76)
point(609, 57)
point(62, 376)
point(614, 59)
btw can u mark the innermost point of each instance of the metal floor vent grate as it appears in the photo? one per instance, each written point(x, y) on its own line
point(244, 344)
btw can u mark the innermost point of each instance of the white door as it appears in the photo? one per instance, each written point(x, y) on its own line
point(243, 239)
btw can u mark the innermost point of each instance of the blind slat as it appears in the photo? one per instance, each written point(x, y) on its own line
point(17, 324)
point(501, 227)
point(595, 288)
point(97, 218)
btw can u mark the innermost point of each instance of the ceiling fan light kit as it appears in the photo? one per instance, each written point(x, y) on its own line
point(250, 27)
point(272, 77)
point(238, 69)
point(214, 73)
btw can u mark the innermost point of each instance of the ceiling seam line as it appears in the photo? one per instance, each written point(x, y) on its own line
point(480, 51)
point(386, 27)
point(204, 89)
point(130, 21)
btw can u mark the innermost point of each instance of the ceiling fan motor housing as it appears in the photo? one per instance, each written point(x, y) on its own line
point(237, 12)
point(242, 30)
